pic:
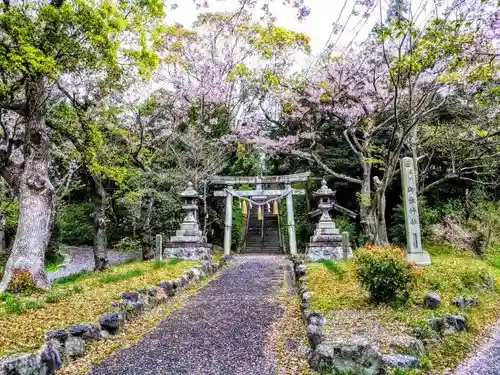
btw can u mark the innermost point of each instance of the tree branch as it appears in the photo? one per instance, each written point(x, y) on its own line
point(313, 157)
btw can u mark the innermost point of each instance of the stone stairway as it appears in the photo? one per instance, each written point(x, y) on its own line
point(262, 237)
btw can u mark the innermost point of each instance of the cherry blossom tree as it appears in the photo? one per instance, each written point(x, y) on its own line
point(380, 93)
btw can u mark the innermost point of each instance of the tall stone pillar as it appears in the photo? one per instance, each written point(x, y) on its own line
point(291, 221)
point(228, 222)
point(414, 251)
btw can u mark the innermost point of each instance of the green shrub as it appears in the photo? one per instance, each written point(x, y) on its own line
point(344, 224)
point(128, 244)
point(428, 217)
point(13, 305)
point(384, 273)
point(478, 279)
point(302, 221)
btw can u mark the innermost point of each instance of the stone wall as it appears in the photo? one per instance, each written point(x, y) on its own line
point(63, 345)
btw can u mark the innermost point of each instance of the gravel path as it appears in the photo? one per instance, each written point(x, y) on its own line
point(82, 259)
point(485, 359)
point(220, 331)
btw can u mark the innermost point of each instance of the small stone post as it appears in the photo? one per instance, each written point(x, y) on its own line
point(291, 221)
point(228, 222)
point(346, 245)
point(414, 251)
point(159, 247)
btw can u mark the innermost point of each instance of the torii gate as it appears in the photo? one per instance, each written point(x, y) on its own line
point(259, 193)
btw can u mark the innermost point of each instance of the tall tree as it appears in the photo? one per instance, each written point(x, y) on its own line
point(379, 93)
point(40, 42)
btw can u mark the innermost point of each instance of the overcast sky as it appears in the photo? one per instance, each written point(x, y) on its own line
point(318, 25)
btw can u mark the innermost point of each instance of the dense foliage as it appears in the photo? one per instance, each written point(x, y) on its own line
point(385, 274)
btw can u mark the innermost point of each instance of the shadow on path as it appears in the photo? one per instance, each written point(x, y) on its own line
point(221, 330)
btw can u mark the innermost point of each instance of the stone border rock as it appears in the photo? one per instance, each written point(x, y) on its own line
point(312, 319)
point(63, 345)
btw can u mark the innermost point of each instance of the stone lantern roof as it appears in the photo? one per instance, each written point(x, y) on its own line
point(324, 191)
point(189, 192)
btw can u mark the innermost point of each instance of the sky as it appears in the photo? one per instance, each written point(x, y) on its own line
point(318, 25)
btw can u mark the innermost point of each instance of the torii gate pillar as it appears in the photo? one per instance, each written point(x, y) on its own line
point(228, 222)
point(291, 221)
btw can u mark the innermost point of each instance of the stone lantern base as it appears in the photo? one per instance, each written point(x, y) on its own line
point(189, 251)
point(327, 242)
point(188, 243)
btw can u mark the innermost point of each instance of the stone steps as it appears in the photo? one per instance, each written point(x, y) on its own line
point(262, 237)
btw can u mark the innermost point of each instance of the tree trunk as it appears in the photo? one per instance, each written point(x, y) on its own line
point(100, 221)
point(366, 212)
point(379, 207)
point(36, 194)
point(3, 245)
point(146, 240)
point(52, 252)
point(382, 226)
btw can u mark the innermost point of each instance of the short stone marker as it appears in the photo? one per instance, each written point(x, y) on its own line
point(159, 247)
point(415, 252)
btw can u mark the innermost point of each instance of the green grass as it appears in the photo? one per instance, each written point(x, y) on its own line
point(13, 305)
point(81, 298)
point(54, 265)
point(451, 274)
point(334, 267)
point(33, 304)
point(159, 264)
point(112, 278)
point(18, 304)
point(495, 261)
point(71, 278)
point(59, 295)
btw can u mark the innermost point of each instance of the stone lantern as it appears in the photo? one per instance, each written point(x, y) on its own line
point(327, 242)
point(325, 197)
point(190, 206)
point(188, 242)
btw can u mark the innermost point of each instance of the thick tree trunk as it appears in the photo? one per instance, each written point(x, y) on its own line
point(36, 195)
point(146, 240)
point(100, 223)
